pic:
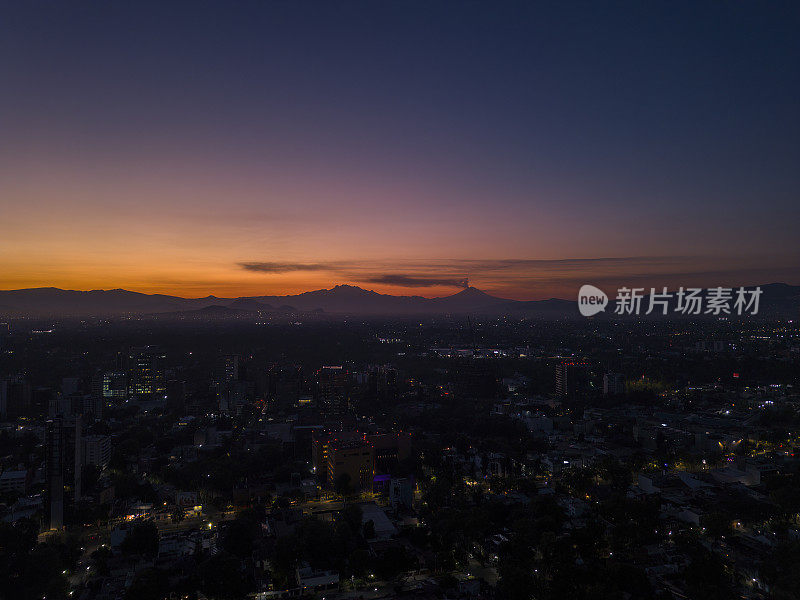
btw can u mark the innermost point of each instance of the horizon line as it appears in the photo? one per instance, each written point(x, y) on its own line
point(338, 285)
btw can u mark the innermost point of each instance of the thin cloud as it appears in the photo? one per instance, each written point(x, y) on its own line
point(413, 281)
point(564, 264)
point(284, 267)
point(436, 266)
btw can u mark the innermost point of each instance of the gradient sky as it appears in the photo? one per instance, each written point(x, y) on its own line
point(262, 147)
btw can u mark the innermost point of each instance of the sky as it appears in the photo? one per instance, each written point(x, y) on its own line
point(259, 148)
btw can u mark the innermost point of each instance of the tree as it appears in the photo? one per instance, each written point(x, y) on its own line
point(222, 577)
point(101, 556)
point(28, 571)
point(718, 523)
point(90, 475)
point(178, 514)
point(781, 570)
point(394, 561)
point(238, 538)
point(42, 575)
point(150, 584)
point(358, 562)
point(352, 516)
point(317, 542)
point(705, 576)
point(369, 530)
point(343, 486)
point(285, 559)
point(142, 539)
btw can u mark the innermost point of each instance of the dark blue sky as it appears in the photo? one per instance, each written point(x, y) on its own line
point(400, 131)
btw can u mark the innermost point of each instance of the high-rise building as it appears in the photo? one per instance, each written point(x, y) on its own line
point(572, 378)
point(282, 385)
point(232, 392)
point(228, 368)
point(322, 441)
point(15, 397)
point(176, 396)
point(401, 492)
point(613, 384)
point(381, 382)
point(41, 399)
point(70, 385)
point(233, 395)
point(304, 439)
point(96, 450)
point(15, 481)
point(64, 406)
point(333, 389)
point(146, 373)
point(92, 407)
point(389, 450)
point(114, 385)
point(353, 459)
point(63, 465)
point(319, 455)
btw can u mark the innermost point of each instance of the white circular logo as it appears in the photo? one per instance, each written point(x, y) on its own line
point(591, 300)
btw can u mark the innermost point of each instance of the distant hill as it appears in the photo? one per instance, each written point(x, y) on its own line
point(781, 300)
point(350, 299)
point(778, 300)
point(468, 300)
point(55, 301)
point(250, 304)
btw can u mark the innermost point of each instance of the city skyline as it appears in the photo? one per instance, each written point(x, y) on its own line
point(414, 299)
